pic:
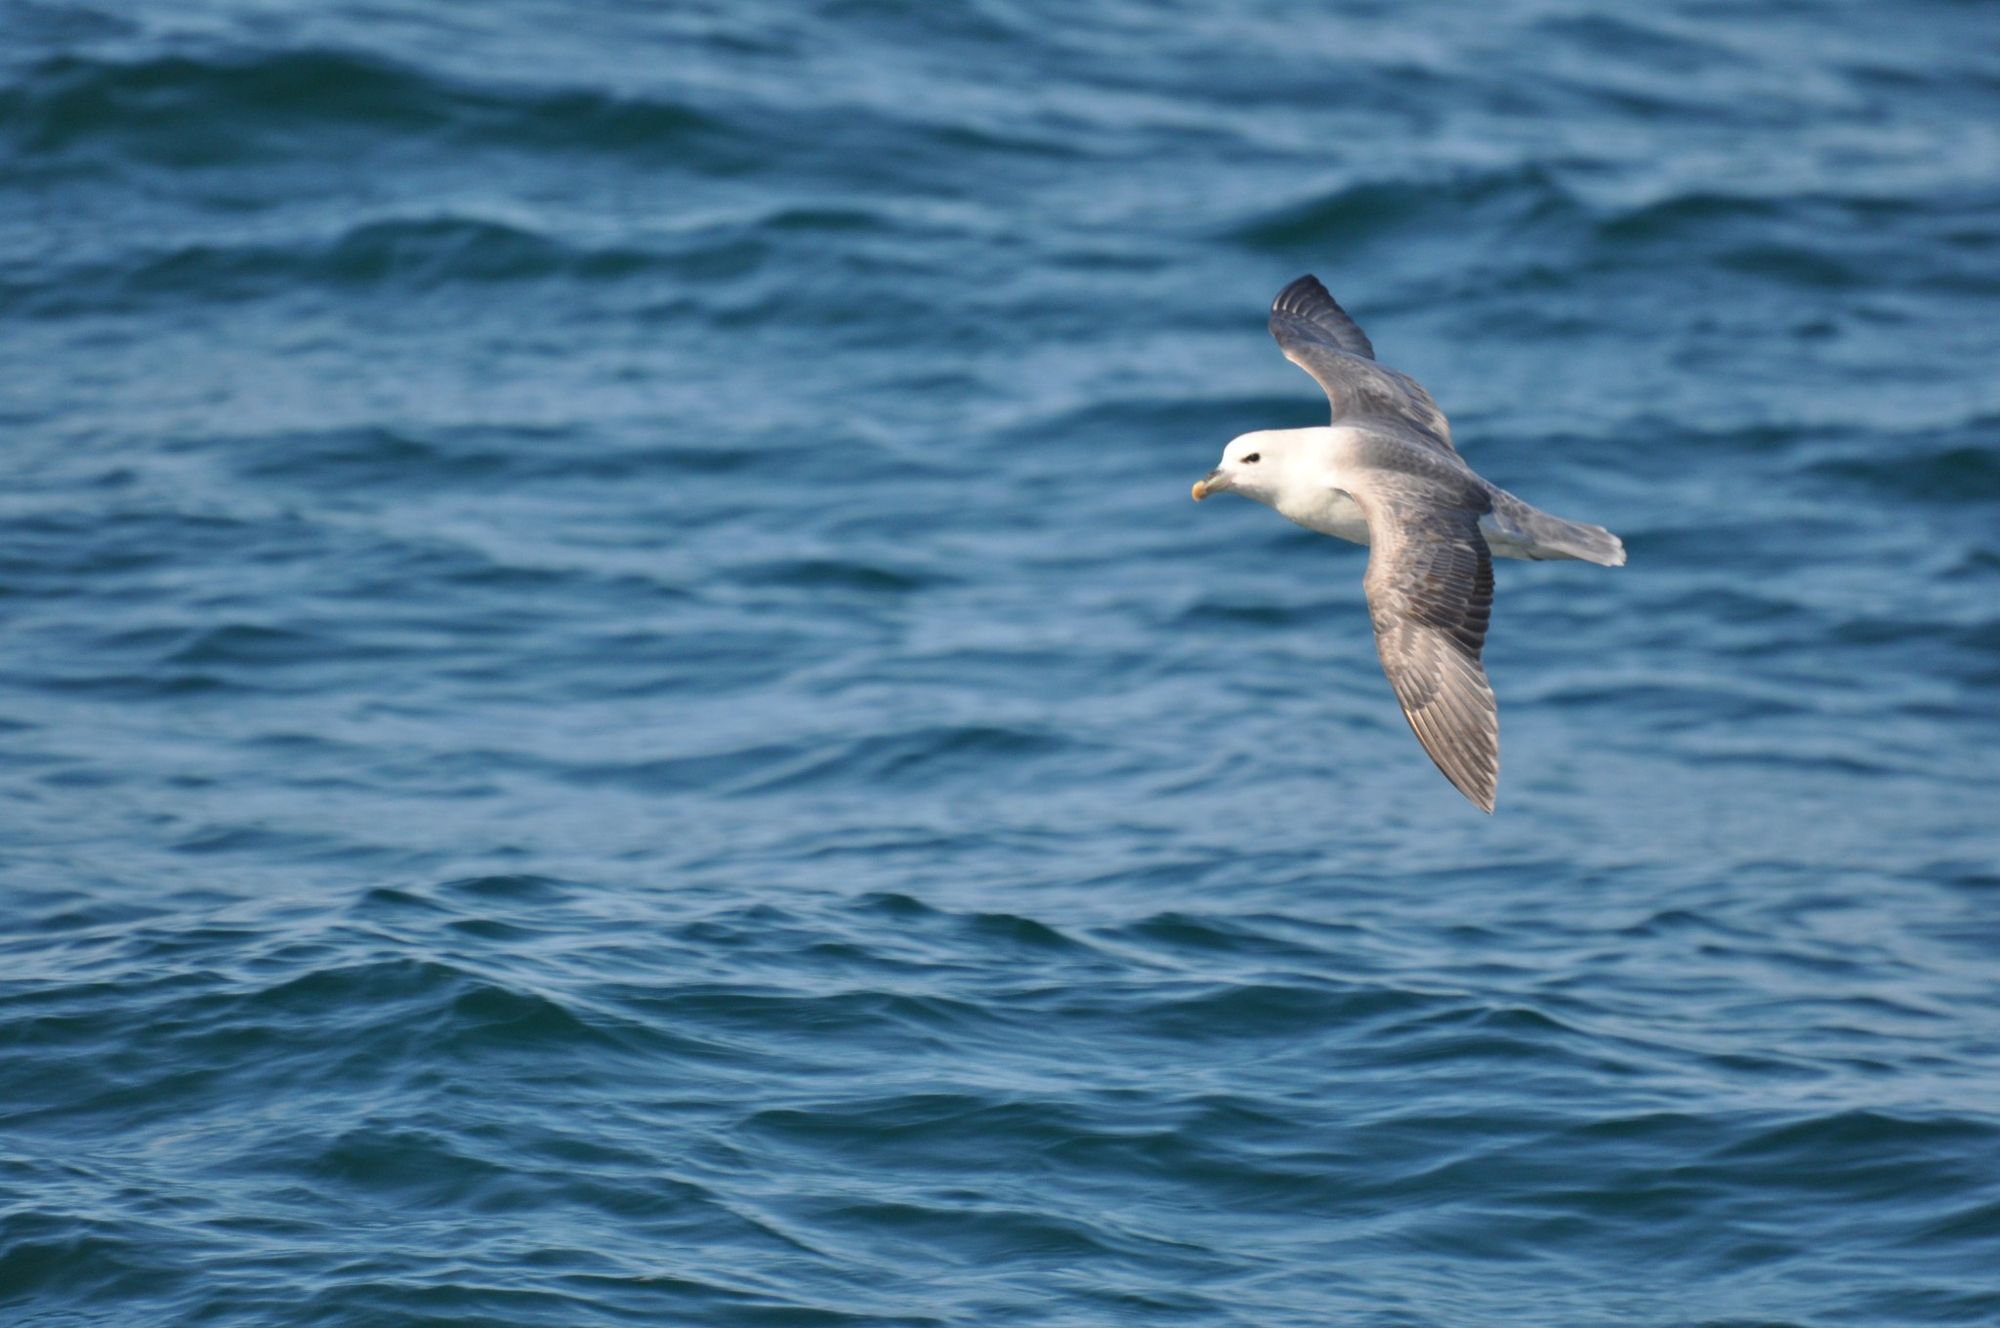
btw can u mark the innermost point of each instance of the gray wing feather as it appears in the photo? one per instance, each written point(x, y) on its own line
point(1316, 334)
point(1430, 594)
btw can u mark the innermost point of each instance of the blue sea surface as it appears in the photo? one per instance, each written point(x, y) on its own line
point(614, 711)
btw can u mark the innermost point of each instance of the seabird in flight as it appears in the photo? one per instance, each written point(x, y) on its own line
point(1385, 474)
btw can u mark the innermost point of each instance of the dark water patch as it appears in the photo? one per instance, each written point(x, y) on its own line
point(1622, 37)
point(914, 1130)
point(491, 1018)
point(187, 110)
point(1967, 473)
point(939, 933)
point(248, 643)
point(1010, 930)
point(974, 752)
point(1879, 1136)
point(221, 839)
point(1182, 933)
point(417, 1168)
point(1978, 1223)
point(87, 1257)
point(168, 686)
point(495, 932)
point(423, 252)
point(159, 102)
point(1460, 1034)
point(894, 905)
point(676, 666)
point(1365, 213)
point(1678, 704)
point(1299, 1184)
point(886, 1020)
point(370, 456)
point(1272, 1012)
point(50, 552)
point(514, 889)
point(1714, 543)
point(828, 221)
point(391, 903)
point(1251, 616)
point(51, 917)
point(412, 254)
point(833, 574)
point(1969, 876)
point(1739, 604)
point(1698, 214)
point(1793, 265)
point(687, 773)
point(1968, 653)
point(361, 988)
point(41, 24)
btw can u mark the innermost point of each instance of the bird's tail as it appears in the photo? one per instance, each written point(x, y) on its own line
point(1524, 531)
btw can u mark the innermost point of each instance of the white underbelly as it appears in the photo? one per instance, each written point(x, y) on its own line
point(1334, 513)
point(1331, 512)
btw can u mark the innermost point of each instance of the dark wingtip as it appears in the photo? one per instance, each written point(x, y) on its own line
point(1288, 301)
point(1308, 301)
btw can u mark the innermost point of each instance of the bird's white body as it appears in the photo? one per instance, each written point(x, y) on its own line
point(1303, 470)
point(1305, 476)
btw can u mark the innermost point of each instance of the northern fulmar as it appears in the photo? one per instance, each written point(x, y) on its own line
point(1384, 473)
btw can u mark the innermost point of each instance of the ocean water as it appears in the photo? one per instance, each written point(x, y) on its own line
point(615, 713)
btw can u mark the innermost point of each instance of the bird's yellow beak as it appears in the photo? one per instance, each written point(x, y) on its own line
point(1213, 482)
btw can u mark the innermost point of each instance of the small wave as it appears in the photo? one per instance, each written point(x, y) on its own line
point(1877, 1142)
point(406, 254)
point(1798, 264)
point(153, 685)
point(539, 891)
point(1356, 213)
point(54, 1254)
point(364, 456)
point(1977, 1224)
point(490, 1017)
point(1673, 216)
point(429, 252)
point(1962, 472)
point(979, 752)
point(1272, 1010)
point(189, 110)
point(1011, 931)
point(248, 643)
point(1621, 38)
point(778, 1019)
point(834, 574)
point(1190, 934)
point(976, 1232)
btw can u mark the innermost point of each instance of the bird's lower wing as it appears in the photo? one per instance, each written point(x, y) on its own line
point(1430, 594)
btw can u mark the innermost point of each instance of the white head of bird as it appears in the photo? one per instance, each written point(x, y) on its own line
point(1261, 465)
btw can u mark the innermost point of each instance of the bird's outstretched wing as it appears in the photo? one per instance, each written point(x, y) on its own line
point(1430, 594)
point(1316, 334)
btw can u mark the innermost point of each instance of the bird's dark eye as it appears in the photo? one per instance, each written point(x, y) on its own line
point(1252, 459)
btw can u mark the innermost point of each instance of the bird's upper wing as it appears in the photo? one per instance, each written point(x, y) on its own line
point(1316, 334)
point(1430, 594)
